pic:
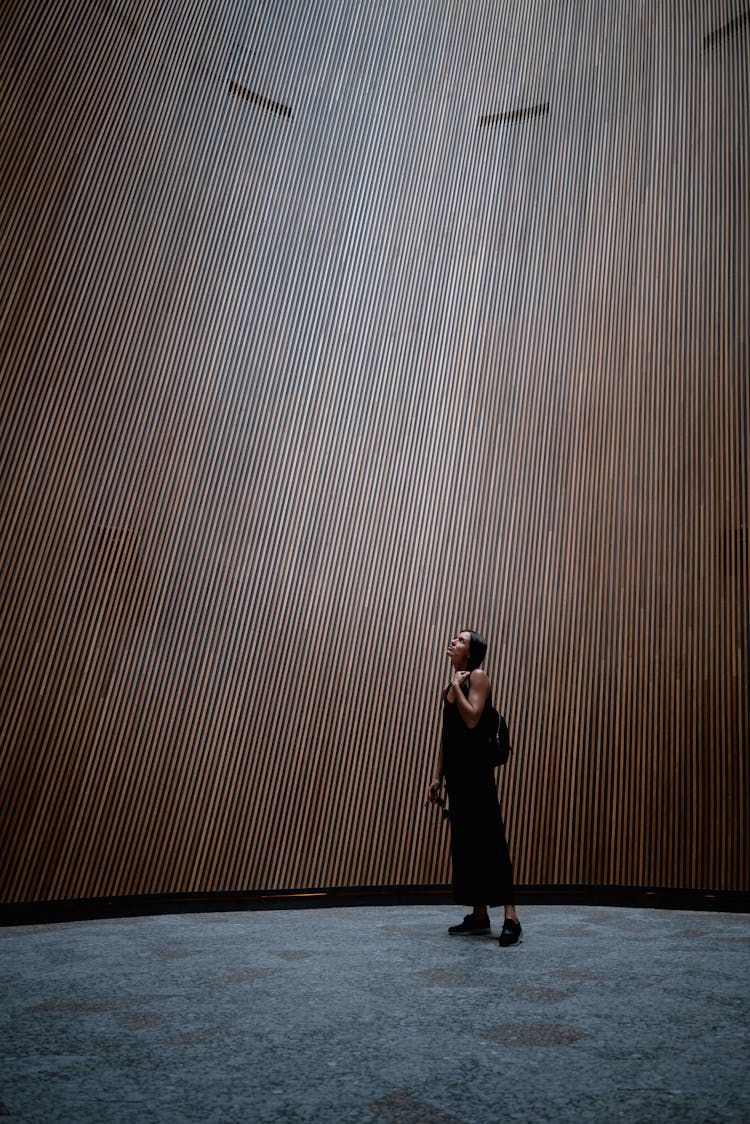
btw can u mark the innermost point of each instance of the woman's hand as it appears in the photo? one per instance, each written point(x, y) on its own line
point(459, 678)
point(434, 791)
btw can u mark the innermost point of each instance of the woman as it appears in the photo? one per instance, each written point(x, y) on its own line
point(482, 870)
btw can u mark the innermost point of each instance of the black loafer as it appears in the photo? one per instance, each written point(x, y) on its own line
point(511, 933)
point(472, 926)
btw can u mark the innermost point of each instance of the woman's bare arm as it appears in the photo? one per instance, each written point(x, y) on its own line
point(471, 707)
point(437, 780)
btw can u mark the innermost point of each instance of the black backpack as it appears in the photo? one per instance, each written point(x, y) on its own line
point(498, 738)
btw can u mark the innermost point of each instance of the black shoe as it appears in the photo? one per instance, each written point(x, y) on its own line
point(475, 926)
point(511, 933)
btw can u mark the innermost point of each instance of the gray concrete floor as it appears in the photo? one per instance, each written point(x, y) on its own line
point(377, 1015)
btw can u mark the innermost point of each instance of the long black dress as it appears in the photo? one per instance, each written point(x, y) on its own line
point(482, 870)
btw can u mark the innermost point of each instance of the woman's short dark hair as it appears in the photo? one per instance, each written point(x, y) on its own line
point(477, 649)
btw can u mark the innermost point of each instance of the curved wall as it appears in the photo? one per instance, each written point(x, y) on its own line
point(327, 330)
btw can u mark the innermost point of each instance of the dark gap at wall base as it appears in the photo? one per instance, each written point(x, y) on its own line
point(148, 905)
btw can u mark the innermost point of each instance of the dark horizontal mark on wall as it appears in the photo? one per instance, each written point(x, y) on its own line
point(726, 31)
point(259, 100)
point(514, 115)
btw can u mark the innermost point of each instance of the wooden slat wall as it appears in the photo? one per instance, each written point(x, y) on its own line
point(316, 347)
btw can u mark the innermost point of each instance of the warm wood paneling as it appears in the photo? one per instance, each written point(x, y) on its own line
point(327, 330)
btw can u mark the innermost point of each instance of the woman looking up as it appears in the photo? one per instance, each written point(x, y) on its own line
point(482, 870)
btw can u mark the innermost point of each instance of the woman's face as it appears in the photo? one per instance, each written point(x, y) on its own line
point(458, 651)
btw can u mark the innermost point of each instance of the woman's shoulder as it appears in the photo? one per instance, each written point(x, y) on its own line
point(480, 683)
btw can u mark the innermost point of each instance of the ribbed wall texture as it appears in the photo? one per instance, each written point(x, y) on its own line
point(328, 329)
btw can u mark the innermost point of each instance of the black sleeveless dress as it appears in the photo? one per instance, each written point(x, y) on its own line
point(482, 870)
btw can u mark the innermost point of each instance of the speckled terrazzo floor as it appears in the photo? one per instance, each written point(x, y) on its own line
point(377, 1015)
